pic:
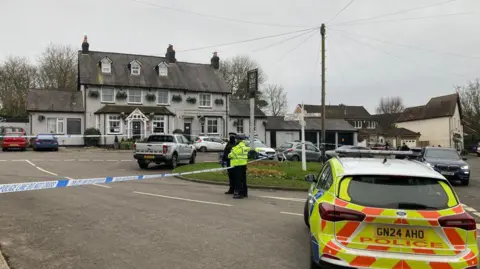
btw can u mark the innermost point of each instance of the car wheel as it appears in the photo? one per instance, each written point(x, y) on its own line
point(295, 158)
point(3, 149)
point(306, 215)
point(192, 158)
point(174, 161)
point(465, 182)
point(478, 154)
point(203, 149)
point(143, 164)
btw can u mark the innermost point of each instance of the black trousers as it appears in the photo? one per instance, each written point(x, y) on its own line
point(231, 178)
point(240, 173)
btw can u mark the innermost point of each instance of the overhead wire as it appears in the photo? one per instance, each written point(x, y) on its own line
point(294, 48)
point(283, 41)
point(409, 46)
point(248, 40)
point(395, 13)
point(343, 9)
point(216, 17)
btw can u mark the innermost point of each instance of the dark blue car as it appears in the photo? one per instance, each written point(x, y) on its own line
point(45, 142)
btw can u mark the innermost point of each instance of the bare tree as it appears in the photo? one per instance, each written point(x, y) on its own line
point(234, 71)
point(390, 105)
point(276, 98)
point(17, 75)
point(470, 103)
point(57, 67)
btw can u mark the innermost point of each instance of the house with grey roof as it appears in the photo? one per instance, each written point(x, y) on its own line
point(134, 96)
point(56, 111)
point(439, 121)
point(239, 119)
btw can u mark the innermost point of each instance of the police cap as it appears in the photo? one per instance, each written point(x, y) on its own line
point(241, 137)
point(232, 134)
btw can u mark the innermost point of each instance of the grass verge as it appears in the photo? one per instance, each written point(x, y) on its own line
point(262, 173)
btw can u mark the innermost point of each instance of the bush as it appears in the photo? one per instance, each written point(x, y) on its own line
point(126, 145)
point(92, 141)
point(178, 131)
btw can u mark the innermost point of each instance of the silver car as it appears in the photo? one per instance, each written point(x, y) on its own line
point(292, 151)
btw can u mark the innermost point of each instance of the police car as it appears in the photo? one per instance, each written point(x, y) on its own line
point(387, 213)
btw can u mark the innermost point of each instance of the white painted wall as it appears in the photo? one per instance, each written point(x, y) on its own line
point(40, 127)
point(259, 127)
point(436, 131)
point(181, 109)
point(282, 137)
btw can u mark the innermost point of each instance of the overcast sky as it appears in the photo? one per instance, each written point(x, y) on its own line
point(363, 62)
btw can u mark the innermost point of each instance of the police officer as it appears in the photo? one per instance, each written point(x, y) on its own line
point(228, 148)
point(238, 160)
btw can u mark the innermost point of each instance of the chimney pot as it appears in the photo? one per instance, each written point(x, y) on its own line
point(215, 61)
point(170, 55)
point(85, 45)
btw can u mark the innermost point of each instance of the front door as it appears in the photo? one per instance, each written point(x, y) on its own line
point(273, 139)
point(136, 129)
point(187, 130)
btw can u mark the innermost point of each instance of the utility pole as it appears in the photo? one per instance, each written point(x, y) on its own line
point(252, 82)
point(302, 124)
point(323, 32)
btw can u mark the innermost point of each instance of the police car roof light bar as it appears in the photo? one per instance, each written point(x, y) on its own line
point(377, 152)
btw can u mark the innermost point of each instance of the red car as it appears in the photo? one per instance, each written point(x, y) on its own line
point(14, 140)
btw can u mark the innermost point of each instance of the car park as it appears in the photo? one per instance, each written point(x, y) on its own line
point(292, 151)
point(45, 142)
point(208, 143)
point(14, 140)
point(390, 213)
point(447, 162)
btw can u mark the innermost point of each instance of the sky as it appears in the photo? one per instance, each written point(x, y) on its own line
point(415, 49)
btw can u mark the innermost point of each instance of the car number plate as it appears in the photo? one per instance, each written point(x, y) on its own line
point(149, 157)
point(447, 173)
point(399, 233)
point(13, 145)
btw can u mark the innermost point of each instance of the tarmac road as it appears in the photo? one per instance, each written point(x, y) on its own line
point(159, 223)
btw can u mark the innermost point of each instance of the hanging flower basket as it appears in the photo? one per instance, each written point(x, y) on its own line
point(150, 97)
point(177, 98)
point(93, 94)
point(192, 100)
point(121, 95)
point(219, 102)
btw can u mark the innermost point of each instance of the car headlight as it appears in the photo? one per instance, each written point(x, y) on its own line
point(465, 167)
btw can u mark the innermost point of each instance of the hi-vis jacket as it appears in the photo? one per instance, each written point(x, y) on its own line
point(239, 154)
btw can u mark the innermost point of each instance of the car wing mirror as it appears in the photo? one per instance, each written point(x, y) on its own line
point(310, 178)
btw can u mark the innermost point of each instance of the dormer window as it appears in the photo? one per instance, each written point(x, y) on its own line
point(106, 65)
point(135, 67)
point(163, 69)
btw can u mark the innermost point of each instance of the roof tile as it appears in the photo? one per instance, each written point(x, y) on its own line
point(54, 100)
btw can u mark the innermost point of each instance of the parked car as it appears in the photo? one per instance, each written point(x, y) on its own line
point(292, 151)
point(331, 153)
point(10, 129)
point(261, 150)
point(208, 143)
point(170, 149)
point(447, 162)
point(45, 142)
point(14, 140)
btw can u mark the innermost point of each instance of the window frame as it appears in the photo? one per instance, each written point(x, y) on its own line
point(160, 68)
point(324, 176)
point(106, 66)
point(156, 120)
point(134, 66)
point(130, 94)
point(207, 121)
point(200, 100)
point(120, 125)
point(240, 126)
point(58, 121)
point(168, 97)
point(75, 119)
point(113, 95)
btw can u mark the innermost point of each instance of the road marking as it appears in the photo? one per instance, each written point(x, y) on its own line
point(83, 160)
point(111, 160)
point(98, 160)
point(478, 226)
point(289, 213)
point(41, 169)
point(125, 160)
point(476, 214)
point(284, 198)
point(469, 209)
point(18, 160)
point(181, 199)
point(69, 160)
point(3, 160)
point(100, 185)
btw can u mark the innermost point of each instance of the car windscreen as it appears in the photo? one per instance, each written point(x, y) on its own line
point(160, 138)
point(286, 145)
point(442, 154)
point(259, 144)
point(408, 193)
point(14, 135)
point(45, 137)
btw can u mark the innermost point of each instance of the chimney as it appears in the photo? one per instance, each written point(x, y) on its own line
point(85, 45)
point(215, 61)
point(170, 55)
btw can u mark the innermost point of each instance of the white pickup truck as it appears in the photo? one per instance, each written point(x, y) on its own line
point(169, 149)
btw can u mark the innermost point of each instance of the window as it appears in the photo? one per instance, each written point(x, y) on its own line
point(212, 126)
point(325, 179)
point(135, 96)
point(108, 95)
point(114, 122)
point(161, 138)
point(55, 125)
point(163, 97)
point(440, 153)
point(162, 70)
point(408, 193)
point(106, 68)
point(74, 126)
point(357, 124)
point(158, 125)
point(135, 68)
point(240, 127)
point(205, 100)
